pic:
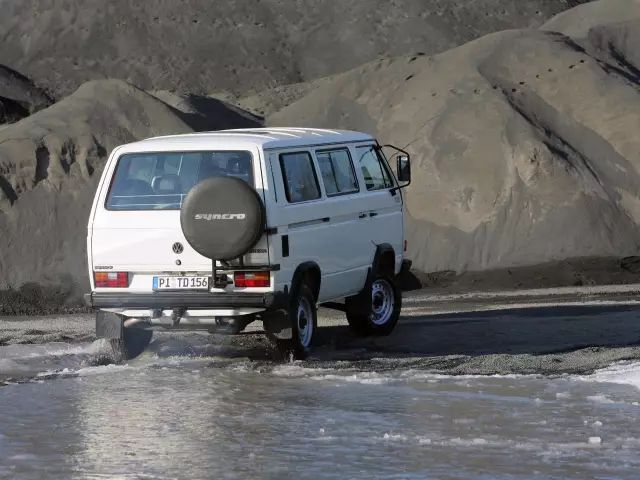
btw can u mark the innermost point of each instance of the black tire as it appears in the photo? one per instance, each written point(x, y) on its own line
point(125, 343)
point(303, 314)
point(134, 341)
point(375, 311)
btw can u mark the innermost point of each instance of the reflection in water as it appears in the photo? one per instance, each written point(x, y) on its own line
point(182, 416)
point(202, 418)
point(143, 419)
point(39, 434)
point(237, 419)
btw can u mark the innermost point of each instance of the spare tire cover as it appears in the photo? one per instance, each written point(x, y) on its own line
point(222, 218)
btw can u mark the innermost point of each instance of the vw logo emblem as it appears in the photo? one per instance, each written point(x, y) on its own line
point(177, 247)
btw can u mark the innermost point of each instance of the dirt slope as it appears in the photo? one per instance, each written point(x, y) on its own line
point(200, 46)
point(525, 144)
point(50, 163)
point(578, 21)
point(205, 113)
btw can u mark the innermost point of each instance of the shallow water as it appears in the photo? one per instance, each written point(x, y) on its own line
point(192, 409)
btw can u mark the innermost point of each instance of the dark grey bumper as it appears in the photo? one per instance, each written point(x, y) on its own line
point(170, 300)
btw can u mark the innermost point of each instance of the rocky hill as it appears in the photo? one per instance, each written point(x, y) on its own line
point(525, 142)
point(50, 164)
point(200, 46)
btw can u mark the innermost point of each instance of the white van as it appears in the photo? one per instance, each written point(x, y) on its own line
point(216, 230)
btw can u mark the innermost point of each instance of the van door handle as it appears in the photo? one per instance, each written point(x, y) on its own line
point(373, 214)
point(362, 215)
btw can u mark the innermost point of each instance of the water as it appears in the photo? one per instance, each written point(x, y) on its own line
point(190, 409)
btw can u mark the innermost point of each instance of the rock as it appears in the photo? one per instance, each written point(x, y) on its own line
point(19, 97)
point(631, 264)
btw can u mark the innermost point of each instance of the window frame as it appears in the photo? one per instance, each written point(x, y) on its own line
point(383, 162)
point(171, 152)
point(285, 183)
point(345, 148)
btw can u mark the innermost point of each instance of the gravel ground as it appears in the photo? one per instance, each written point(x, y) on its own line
point(47, 329)
point(549, 332)
point(418, 306)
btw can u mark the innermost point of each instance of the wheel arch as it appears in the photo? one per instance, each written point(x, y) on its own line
point(309, 272)
point(384, 260)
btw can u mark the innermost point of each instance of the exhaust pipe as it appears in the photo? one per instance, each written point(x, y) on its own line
point(129, 322)
point(155, 314)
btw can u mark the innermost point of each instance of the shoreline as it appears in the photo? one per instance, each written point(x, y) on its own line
point(418, 306)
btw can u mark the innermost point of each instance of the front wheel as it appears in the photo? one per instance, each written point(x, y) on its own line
point(376, 310)
point(304, 323)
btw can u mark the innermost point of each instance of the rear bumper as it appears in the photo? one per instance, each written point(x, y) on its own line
point(187, 300)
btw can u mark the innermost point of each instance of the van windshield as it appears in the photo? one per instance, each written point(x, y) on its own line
point(161, 181)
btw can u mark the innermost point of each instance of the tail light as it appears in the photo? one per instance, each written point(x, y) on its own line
point(252, 279)
point(111, 279)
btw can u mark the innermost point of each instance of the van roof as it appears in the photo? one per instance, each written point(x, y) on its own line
point(267, 138)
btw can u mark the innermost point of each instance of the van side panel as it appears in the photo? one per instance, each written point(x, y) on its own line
point(384, 216)
point(104, 179)
point(327, 231)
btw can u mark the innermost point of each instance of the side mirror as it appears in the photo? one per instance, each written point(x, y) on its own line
point(403, 168)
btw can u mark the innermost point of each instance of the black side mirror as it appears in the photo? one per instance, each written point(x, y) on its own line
point(403, 168)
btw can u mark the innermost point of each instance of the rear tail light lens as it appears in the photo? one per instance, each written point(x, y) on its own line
point(111, 279)
point(252, 279)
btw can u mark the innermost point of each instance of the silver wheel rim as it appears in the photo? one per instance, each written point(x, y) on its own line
point(382, 302)
point(305, 322)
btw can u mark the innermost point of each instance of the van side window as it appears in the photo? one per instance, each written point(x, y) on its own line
point(300, 181)
point(374, 170)
point(337, 171)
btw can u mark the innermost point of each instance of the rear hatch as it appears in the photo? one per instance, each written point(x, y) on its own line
point(136, 224)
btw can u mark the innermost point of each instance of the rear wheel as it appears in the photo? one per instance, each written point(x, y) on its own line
point(304, 323)
point(125, 343)
point(376, 310)
point(133, 342)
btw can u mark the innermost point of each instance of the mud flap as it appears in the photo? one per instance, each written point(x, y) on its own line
point(109, 325)
point(278, 324)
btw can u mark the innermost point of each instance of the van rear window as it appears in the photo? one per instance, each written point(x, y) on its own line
point(161, 181)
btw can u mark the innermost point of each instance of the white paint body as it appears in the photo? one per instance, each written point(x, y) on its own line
point(338, 233)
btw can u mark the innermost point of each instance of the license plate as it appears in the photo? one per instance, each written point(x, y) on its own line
point(180, 283)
